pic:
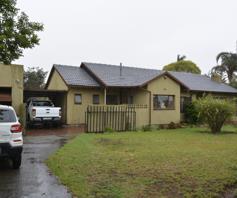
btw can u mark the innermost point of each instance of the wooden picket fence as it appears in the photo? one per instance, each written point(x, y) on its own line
point(110, 117)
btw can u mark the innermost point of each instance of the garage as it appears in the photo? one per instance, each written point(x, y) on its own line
point(6, 96)
point(57, 97)
point(11, 86)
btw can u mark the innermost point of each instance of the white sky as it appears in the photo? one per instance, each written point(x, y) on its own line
point(143, 33)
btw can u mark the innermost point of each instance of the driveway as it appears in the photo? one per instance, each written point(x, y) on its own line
point(33, 179)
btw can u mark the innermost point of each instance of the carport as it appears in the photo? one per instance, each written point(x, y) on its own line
point(59, 98)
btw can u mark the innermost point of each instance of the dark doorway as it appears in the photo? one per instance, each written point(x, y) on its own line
point(5, 96)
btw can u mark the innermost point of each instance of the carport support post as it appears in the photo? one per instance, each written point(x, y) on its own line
point(105, 94)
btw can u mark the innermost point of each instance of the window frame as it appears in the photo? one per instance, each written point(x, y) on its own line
point(93, 101)
point(75, 102)
point(168, 95)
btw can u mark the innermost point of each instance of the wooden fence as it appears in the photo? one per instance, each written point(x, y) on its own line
point(114, 117)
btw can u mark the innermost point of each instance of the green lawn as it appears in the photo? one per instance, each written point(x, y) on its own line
point(166, 163)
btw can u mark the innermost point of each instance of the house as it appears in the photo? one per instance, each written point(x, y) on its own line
point(158, 96)
point(11, 85)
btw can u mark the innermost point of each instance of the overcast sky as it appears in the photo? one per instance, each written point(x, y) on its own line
point(142, 33)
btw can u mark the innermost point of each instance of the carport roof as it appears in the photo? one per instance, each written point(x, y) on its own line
point(75, 76)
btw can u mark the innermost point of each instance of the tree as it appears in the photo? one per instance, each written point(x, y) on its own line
point(217, 76)
point(214, 111)
point(180, 58)
point(183, 66)
point(16, 32)
point(227, 65)
point(34, 78)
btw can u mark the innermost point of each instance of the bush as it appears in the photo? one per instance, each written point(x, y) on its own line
point(215, 112)
point(147, 128)
point(109, 130)
point(172, 125)
point(191, 114)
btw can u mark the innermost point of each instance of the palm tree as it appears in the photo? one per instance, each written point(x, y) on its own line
point(180, 58)
point(227, 64)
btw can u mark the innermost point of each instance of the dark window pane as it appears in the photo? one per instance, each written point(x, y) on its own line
point(130, 99)
point(42, 104)
point(163, 102)
point(7, 116)
point(96, 99)
point(112, 99)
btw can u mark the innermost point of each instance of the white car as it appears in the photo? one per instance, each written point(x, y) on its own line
point(42, 112)
point(11, 140)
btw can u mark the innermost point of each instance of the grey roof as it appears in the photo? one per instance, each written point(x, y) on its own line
point(134, 77)
point(76, 76)
point(131, 76)
point(196, 82)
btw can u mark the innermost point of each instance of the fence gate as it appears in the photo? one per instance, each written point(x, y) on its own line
point(115, 117)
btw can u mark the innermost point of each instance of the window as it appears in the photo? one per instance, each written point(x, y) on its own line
point(112, 99)
point(42, 104)
point(78, 99)
point(7, 116)
point(184, 101)
point(96, 99)
point(163, 102)
point(130, 99)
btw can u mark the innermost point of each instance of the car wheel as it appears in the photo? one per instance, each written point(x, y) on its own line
point(16, 162)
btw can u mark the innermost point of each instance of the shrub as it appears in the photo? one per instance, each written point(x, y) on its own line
point(215, 112)
point(172, 125)
point(191, 114)
point(147, 128)
point(109, 130)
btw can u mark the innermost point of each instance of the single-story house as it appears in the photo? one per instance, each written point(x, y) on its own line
point(159, 96)
point(11, 85)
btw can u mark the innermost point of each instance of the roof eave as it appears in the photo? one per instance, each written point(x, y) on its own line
point(90, 72)
point(169, 75)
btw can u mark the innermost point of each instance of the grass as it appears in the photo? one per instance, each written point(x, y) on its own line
point(166, 163)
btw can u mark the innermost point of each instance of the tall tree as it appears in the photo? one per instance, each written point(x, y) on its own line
point(183, 66)
point(34, 78)
point(226, 65)
point(16, 32)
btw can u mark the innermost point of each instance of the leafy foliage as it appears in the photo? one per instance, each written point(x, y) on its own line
point(183, 66)
point(16, 32)
point(227, 65)
point(215, 112)
point(34, 78)
point(191, 113)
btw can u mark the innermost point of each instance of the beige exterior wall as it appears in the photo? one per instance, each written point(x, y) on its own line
point(57, 83)
point(165, 86)
point(76, 112)
point(11, 76)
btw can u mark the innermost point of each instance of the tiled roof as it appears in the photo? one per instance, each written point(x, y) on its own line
point(75, 76)
point(196, 82)
point(131, 76)
point(93, 75)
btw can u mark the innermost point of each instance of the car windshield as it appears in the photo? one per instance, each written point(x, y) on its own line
point(7, 116)
point(42, 104)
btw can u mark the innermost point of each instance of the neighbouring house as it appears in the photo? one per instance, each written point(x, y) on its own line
point(11, 85)
point(159, 97)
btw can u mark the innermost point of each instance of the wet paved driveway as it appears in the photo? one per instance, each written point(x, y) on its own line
point(33, 179)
